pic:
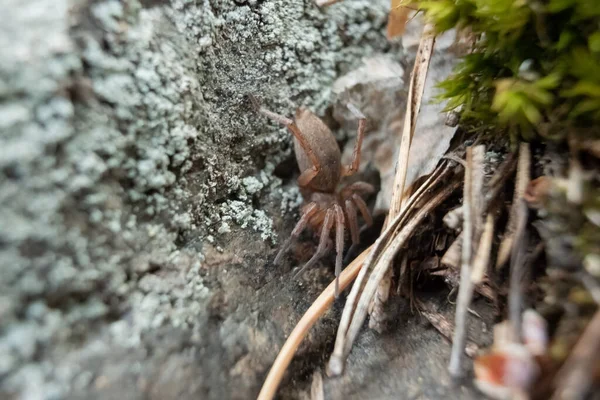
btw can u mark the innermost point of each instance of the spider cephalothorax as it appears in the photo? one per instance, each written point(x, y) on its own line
point(319, 159)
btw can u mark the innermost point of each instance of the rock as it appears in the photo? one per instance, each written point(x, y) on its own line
point(124, 128)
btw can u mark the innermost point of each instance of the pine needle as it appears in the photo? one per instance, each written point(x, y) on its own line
point(308, 320)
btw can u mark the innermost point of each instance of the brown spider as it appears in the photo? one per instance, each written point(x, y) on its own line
point(319, 159)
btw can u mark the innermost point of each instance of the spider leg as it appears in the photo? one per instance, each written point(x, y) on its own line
point(323, 242)
point(359, 187)
point(352, 221)
point(310, 210)
point(364, 210)
point(307, 175)
point(351, 169)
point(339, 244)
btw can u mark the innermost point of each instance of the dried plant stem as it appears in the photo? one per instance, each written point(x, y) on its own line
point(399, 197)
point(591, 286)
point(451, 257)
point(377, 248)
point(444, 326)
point(517, 272)
point(356, 310)
point(472, 206)
point(576, 376)
point(376, 310)
point(316, 388)
point(413, 105)
point(482, 257)
point(522, 181)
point(316, 310)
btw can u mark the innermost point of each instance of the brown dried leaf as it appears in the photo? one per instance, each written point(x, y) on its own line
point(397, 19)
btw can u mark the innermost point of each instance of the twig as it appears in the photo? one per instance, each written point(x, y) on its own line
point(377, 249)
point(308, 320)
point(477, 198)
point(316, 387)
point(445, 327)
point(482, 257)
point(376, 310)
point(576, 375)
point(522, 181)
point(470, 206)
point(517, 272)
point(345, 339)
point(575, 186)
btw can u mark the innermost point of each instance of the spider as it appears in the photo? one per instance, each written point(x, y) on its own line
point(319, 159)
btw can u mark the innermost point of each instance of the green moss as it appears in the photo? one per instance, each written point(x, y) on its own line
point(535, 65)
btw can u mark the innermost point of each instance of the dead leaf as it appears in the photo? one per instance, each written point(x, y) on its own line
point(397, 19)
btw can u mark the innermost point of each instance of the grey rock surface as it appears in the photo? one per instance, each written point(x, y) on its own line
point(138, 188)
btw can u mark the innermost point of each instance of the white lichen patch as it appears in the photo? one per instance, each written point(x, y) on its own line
point(291, 199)
point(246, 216)
point(252, 185)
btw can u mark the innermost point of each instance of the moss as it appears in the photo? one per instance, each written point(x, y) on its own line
point(534, 66)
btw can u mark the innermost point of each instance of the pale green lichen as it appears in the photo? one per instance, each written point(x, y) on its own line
point(124, 129)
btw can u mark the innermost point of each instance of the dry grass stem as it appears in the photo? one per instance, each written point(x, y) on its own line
point(445, 328)
point(591, 286)
point(316, 388)
point(399, 196)
point(522, 181)
point(391, 230)
point(377, 313)
point(413, 105)
point(477, 198)
point(356, 310)
point(518, 271)
point(575, 186)
point(312, 315)
point(484, 249)
point(472, 206)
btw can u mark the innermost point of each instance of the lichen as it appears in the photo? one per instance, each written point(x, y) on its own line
point(125, 131)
